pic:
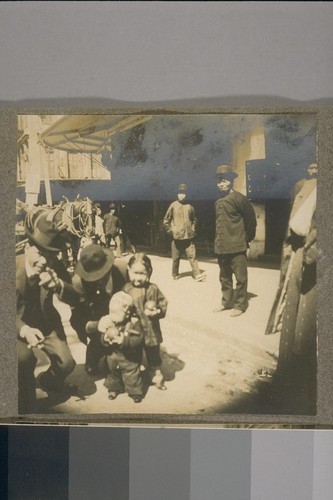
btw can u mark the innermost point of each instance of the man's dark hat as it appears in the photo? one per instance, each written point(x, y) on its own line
point(225, 171)
point(182, 188)
point(45, 235)
point(94, 262)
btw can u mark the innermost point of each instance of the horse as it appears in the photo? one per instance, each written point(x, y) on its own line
point(77, 218)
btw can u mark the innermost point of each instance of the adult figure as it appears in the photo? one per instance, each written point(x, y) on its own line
point(235, 229)
point(301, 191)
point(311, 173)
point(97, 277)
point(180, 222)
point(99, 229)
point(39, 276)
point(294, 314)
point(112, 230)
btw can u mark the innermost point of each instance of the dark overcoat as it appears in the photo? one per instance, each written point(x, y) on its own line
point(235, 224)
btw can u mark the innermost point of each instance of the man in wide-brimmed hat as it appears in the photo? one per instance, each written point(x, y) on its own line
point(180, 222)
point(40, 275)
point(235, 229)
point(97, 277)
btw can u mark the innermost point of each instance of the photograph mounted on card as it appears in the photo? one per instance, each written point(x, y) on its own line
point(166, 265)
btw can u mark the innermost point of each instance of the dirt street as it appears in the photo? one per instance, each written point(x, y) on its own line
point(210, 360)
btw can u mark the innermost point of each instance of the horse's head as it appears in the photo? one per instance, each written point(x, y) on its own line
point(83, 217)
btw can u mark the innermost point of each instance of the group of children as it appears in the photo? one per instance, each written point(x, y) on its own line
point(131, 332)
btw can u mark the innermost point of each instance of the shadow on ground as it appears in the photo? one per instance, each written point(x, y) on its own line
point(80, 385)
point(171, 364)
point(270, 396)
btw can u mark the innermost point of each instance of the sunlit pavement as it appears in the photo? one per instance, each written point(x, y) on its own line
point(209, 359)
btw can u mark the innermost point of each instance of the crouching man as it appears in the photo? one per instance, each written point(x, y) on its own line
point(39, 276)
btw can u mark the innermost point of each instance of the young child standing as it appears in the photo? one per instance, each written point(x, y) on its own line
point(151, 306)
point(122, 336)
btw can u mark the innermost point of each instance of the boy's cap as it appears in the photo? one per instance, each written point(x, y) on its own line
point(182, 188)
point(94, 262)
point(226, 172)
point(112, 205)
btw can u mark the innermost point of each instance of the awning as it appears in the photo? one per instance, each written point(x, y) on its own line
point(88, 133)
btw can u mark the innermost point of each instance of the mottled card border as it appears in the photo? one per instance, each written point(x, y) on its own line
point(8, 363)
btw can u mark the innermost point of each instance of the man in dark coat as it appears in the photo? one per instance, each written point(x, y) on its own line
point(112, 229)
point(39, 276)
point(180, 222)
point(235, 229)
point(97, 277)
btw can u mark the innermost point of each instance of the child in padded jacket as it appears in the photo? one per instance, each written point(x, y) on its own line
point(122, 337)
point(151, 306)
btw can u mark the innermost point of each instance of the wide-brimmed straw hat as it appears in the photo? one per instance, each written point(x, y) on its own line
point(94, 262)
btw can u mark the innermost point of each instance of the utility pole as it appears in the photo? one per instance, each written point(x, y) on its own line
point(36, 164)
point(45, 168)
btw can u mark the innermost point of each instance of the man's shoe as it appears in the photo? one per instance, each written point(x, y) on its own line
point(200, 277)
point(221, 308)
point(176, 276)
point(236, 312)
point(43, 382)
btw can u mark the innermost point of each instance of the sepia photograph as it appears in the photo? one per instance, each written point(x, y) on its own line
point(166, 264)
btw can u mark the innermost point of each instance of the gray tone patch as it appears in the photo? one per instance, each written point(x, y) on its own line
point(228, 453)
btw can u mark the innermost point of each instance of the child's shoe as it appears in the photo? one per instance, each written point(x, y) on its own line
point(157, 380)
point(136, 398)
point(114, 394)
